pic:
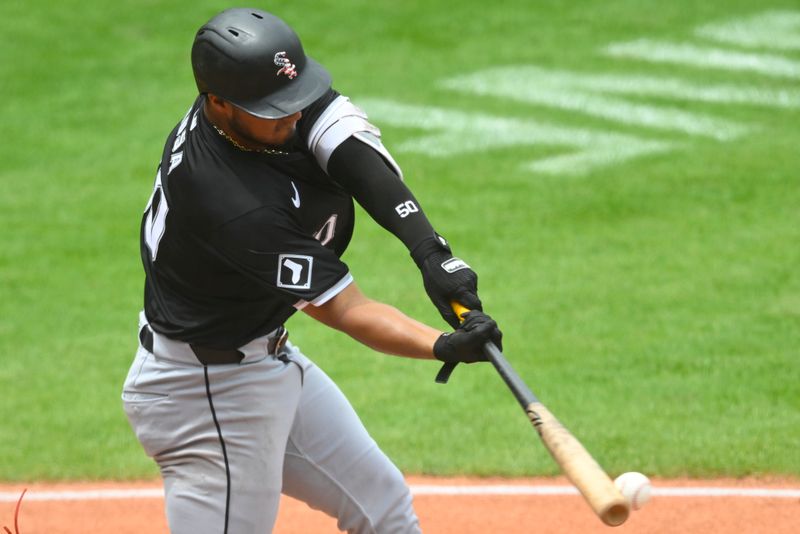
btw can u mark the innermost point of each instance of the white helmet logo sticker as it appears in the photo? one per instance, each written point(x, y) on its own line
point(287, 68)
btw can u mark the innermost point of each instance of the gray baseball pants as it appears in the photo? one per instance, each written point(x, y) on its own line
point(229, 439)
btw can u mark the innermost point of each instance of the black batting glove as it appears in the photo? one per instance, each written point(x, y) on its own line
point(446, 278)
point(466, 343)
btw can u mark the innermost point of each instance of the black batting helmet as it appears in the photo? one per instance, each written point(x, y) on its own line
point(254, 60)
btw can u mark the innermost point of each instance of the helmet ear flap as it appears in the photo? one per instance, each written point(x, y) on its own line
point(255, 61)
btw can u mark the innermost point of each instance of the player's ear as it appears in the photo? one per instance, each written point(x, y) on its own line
point(218, 109)
point(217, 103)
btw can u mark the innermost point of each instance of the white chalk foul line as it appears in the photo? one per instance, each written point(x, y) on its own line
point(495, 490)
point(84, 495)
point(569, 490)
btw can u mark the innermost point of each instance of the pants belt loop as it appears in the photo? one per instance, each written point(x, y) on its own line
point(277, 341)
point(146, 338)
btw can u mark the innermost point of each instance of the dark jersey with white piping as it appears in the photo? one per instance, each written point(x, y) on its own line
point(234, 242)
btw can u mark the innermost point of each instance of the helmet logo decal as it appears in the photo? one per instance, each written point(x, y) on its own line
point(286, 66)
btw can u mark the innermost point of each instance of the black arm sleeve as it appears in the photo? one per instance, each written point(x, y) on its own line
point(364, 173)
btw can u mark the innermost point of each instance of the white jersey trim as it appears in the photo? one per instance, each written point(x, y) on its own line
point(337, 288)
point(340, 120)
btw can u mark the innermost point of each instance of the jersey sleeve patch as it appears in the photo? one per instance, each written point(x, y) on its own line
point(294, 271)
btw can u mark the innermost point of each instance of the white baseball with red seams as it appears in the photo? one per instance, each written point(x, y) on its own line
point(635, 487)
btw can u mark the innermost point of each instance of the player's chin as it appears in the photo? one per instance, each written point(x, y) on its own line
point(279, 136)
point(286, 136)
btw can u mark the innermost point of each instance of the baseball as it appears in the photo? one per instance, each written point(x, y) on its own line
point(635, 487)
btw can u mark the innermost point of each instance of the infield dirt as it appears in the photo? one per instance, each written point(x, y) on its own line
point(440, 514)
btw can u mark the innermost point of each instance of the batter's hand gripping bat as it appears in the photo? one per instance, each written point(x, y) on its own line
point(572, 457)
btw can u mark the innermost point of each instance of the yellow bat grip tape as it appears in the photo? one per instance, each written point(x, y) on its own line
point(458, 309)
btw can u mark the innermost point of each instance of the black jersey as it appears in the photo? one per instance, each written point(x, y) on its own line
point(234, 242)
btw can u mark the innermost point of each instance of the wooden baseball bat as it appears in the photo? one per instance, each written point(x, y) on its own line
point(571, 456)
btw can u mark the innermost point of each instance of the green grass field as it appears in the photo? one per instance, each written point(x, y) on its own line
point(631, 208)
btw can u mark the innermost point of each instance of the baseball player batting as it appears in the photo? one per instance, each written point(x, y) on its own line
point(251, 211)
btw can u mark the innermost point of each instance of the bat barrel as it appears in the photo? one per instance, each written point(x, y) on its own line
point(615, 514)
point(575, 461)
point(579, 466)
point(573, 458)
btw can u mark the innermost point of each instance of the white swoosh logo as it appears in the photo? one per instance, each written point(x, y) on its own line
point(296, 197)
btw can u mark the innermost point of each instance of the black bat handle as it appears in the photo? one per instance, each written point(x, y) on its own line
point(518, 387)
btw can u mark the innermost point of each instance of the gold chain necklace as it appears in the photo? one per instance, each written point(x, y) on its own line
point(231, 140)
